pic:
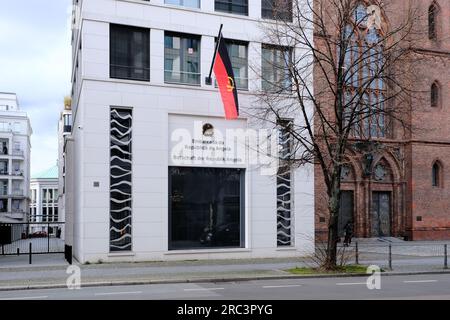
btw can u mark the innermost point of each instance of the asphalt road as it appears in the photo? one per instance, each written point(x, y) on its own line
point(435, 286)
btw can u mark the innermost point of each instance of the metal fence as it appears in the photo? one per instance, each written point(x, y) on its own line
point(392, 255)
point(31, 238)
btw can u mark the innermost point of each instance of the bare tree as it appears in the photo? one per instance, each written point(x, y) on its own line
point(342, 72)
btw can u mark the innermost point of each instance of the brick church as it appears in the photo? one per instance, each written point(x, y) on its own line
point(401, 186)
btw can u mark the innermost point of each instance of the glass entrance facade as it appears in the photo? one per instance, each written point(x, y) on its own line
point(206, 208)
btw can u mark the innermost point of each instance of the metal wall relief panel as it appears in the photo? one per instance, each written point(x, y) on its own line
point(121, 180)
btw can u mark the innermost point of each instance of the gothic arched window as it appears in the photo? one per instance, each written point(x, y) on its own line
point(363, 72)
point(433, 11)
point(435, 95)
point(436, 175)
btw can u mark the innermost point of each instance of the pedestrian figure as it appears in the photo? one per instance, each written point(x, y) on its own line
point(348, 231)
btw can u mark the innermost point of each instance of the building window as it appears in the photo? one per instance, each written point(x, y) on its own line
point(67, 123)
point(232, 6)
point(182, 59)
point(238, 52)
point(129, 53)
point(3, 205)
point(436, 175)
point(277, 9)
point(435, 95)
point(184, 3)
point(364, 61)
point(120, 179)
point(276, 64)
point(206, 208)
point(433, 11)
point(284, 185)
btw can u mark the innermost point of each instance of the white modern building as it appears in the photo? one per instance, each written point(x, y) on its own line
point(44, 196)
point(152, 170)
point(15, 133)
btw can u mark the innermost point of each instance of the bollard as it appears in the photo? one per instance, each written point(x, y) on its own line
point(445, 257)
point(30, 254)
point(356, 253)
point(390, 256)
point(18, 251)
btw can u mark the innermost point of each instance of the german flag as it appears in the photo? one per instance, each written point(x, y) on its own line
point(225, 80)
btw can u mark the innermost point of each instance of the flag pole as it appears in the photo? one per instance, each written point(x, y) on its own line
point(208, 79)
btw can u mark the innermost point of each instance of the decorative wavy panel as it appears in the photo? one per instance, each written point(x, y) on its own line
point(284, 196)
point(120, 180)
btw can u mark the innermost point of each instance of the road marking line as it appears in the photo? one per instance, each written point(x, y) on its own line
point(419, 281)
point(116, 293)
point(204, 289)
point(286, 286)
point(25, 298)
point(350, 283)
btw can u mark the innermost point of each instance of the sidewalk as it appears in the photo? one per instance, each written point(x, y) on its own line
point(50, 270)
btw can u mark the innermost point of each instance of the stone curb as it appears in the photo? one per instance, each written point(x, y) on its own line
point(203, 280)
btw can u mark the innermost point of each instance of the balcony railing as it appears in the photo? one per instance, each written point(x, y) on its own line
point(18, 153)
point(15, 152)
point(17, 173)
point(182, 77)
point(18, 192)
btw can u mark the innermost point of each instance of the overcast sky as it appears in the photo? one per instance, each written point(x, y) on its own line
point(35, 63)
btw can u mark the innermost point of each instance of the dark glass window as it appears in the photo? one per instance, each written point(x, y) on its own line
point(181, 58)
point(206, 208)
point(277, 9)
point(276, 62)
point(436, 175)
point(129, 53)
point(434, 95)
point(432, 17)
point(232, 6)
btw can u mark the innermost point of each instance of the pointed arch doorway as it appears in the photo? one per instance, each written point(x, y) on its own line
point(381, 214)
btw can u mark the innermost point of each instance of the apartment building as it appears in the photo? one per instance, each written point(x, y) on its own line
point(15, 132)
point(44, 199)
point(137, 181)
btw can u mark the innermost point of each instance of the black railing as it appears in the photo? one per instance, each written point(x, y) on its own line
point(15, 238)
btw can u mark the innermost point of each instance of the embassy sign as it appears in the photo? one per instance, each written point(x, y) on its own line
point(215, 142)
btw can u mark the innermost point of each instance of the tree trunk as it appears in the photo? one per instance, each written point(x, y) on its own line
point(333, 207)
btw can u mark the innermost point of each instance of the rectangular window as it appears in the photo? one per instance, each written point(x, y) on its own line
point(184, 3)
point(284, 185)
point(16, 205)
point(277, 9)
point(238, 52)
point(206, 208)
point(120, 179)
point(276, 62)
point(129, 53)
point(232, 6)
point(67, 123)
point(44, 196)
point(181, 58)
